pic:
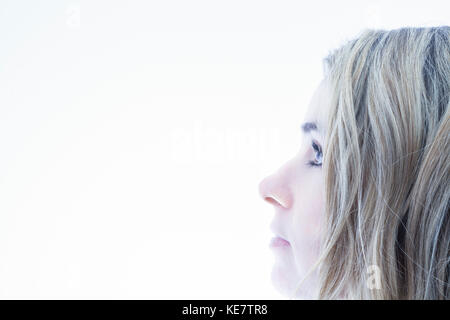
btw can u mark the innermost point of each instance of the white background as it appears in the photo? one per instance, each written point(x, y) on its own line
point(133, 136)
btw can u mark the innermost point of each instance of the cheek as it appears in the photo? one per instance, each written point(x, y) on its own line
point(307, 223)
point(313, 219)
point(309, 213)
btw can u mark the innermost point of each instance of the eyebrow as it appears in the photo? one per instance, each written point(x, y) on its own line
point(309, 126)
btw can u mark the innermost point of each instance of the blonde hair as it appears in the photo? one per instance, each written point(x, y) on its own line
point(386, 167)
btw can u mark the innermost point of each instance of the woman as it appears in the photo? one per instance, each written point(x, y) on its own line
point(362, 211)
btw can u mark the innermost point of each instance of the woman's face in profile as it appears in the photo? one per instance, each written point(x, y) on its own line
point(296, 191)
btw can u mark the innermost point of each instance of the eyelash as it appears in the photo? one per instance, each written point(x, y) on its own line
point(316, 149)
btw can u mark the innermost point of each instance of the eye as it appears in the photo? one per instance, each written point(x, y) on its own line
point(317, 162)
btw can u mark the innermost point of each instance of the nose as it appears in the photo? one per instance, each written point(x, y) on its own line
point(275, 190)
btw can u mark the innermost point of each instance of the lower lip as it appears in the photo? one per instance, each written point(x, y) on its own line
point(278, 242)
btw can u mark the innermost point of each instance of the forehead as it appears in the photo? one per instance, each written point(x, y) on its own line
point(318, 107)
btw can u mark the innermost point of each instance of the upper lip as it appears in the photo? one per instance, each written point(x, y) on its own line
point(277, 233)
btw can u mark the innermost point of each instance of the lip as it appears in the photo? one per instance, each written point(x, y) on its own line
point(278, 242)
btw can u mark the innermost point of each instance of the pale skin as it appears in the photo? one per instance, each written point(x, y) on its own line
point(296, 191)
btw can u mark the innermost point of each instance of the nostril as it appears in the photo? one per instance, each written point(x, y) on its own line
point(271, 200)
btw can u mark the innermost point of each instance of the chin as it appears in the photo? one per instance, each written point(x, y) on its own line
point(286, 279)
